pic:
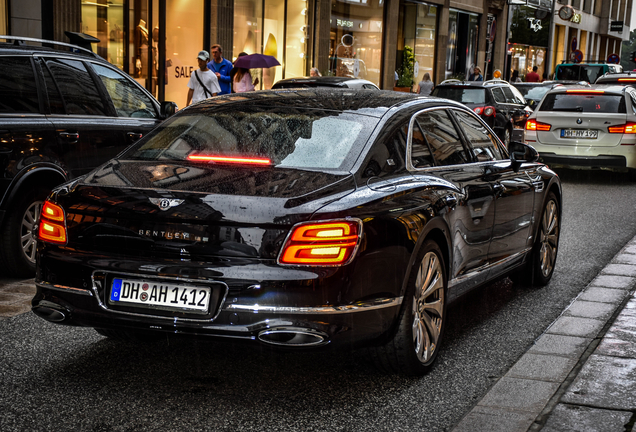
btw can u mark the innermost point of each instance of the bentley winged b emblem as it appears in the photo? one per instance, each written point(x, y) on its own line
point(165, 203)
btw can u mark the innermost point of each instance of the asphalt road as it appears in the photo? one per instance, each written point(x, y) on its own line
point(65, 378)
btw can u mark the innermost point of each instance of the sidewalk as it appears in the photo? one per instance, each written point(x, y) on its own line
point(580, 375)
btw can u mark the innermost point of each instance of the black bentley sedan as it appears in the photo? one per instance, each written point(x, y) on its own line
point(299, 218)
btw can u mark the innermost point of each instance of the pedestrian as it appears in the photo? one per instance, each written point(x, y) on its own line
point(242, 81)
point(314, 72)
point(203, 82)
point(476, 75)
point(533, 76)
point(425, 87)
point(235, 70)
point(515, 77)
point(221, 68)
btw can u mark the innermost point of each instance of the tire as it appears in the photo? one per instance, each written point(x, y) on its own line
point(414, 347)
point(507, 137)
point(17, 255)
point(131, 335)
point(540, 265)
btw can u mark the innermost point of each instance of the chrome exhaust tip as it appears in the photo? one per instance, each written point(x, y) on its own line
point(293, 337)
point(51, 312)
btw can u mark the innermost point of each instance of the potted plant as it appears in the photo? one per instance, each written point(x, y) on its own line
point(405, 74)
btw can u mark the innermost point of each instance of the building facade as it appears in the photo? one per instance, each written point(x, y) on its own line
point(157, 41)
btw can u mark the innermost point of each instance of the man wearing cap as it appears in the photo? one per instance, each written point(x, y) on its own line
point(221, 68)
point(203, 82)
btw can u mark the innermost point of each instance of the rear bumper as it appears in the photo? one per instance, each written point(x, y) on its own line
point(618, 163)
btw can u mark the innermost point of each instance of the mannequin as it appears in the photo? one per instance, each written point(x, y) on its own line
point(141, 42)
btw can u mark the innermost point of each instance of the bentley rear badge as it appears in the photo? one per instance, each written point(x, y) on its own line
point(165, 203)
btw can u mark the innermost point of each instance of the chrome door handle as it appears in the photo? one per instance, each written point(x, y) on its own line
point(72, 137)
point(134, 136)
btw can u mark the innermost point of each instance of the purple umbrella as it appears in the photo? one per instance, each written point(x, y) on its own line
point(256, 61)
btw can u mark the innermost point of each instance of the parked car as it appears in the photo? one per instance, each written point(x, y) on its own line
point(497, 102)
point(584, 71)
point(533, 92)
point(586, 127)
point(63, 112)
point(625, 78)
point(326, 81)
point(299, 219)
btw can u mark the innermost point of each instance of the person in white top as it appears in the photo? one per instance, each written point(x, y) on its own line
point(242, 81)
point(425, 87)
point(203, 82)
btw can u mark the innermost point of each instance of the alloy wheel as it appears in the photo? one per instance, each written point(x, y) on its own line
point(27, 240)
point(428, 307)
point(549, 238)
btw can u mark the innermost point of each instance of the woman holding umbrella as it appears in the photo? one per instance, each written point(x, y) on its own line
point(241, 78)
point(254, 61)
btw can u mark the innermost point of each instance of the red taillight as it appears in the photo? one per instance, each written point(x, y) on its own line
point(329, 243)
point(230, 159)
point(533, 125)
point(52, 227)
point(627, 128)
point(627, 80)
point(485, 111)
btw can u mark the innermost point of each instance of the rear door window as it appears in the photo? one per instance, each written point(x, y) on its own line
point(78, 90)
point(497, 93)
point(511, 98)
point(483, 143)
point(129, 100)
point(18, 90)
point(467, 95)
point(584, 102)
point(439, 137)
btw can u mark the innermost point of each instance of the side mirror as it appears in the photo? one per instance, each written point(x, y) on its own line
point(168, 109)
point(521, 153)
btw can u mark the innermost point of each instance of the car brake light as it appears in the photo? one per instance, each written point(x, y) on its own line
point(533, 125)
point(328, 243)
point(627, 80)
point(487, 111)
point(52, 227)
point(230, 159)
point(627, 128)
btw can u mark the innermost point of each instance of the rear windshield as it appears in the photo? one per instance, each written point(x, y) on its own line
point(292, 138)
point(467, 95)
point(534, 93)
point(585, 102)
point(587, 73)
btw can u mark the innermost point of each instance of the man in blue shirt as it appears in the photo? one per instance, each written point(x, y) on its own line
point(221, 68)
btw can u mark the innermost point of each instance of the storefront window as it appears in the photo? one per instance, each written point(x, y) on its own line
point(3, 17)
point(297, 39)
point(356, 39)
point(530, 27)
point(463, 34)
point(273, 39)
point(184, 37)
point(248, 17)
point(103, 19)
point(418, 29)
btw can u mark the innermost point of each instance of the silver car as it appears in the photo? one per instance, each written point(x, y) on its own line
point(586, 127)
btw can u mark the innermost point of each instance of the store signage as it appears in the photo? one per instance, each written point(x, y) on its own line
point(344, 23)
point(616, 26)
point(576, 18)
point(534, 24)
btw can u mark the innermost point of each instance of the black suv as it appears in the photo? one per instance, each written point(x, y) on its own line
point(501, 105)
point(63, 112)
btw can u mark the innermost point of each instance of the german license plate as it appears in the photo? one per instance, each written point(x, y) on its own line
point(160, 295)
point(579, 133)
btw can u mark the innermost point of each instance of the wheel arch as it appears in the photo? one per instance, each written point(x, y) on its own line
point(437, 230)
point(47, 176)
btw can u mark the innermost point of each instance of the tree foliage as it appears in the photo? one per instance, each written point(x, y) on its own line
point(627, 48)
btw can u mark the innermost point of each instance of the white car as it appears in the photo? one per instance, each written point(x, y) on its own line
point(591, 127)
